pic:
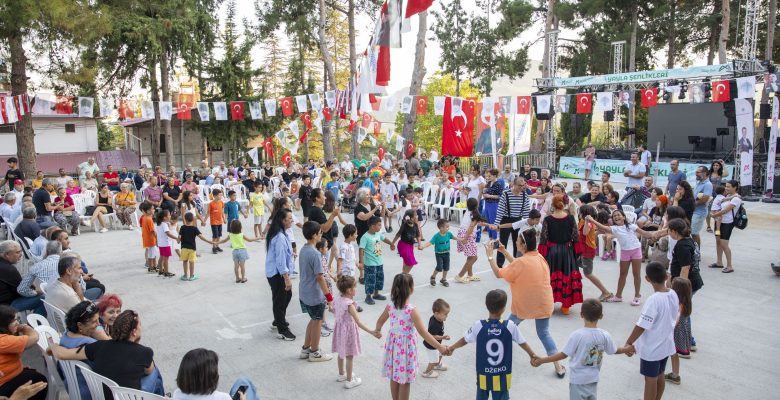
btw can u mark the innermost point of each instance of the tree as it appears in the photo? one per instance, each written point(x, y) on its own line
point(418, 75)
point(725, 13)
point(449, 29)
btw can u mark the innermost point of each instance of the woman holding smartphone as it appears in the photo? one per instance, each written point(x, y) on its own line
point(199, 375)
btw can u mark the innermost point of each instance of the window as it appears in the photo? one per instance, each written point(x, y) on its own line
point(162, 143)
point(9, 128)
point(70, 128)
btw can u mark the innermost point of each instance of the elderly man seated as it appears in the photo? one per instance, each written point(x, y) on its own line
point(38, 247)
point(11, 209)
point(65, 291)
point(10, 254)
point(43, 271)
point(28, 227)
point(88, 281)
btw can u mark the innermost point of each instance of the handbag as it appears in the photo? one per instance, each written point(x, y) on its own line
point(89, 210)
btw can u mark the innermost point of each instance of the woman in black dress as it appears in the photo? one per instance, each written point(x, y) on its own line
point(559, 233)
point(683, 197)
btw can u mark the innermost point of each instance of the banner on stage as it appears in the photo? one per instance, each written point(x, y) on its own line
point(771, 154)
point(744, 114)
point(648, 76)
point(574, 167)
point(519, 133)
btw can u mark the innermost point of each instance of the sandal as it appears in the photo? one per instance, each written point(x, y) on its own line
point(637, 301)
point(238, 280)
point(614, 299)
point(727, 270)
point(444, 283)
point(433, 281)
point(715, 265)
point(709, 230)
point(605, 297)
point(474, 278)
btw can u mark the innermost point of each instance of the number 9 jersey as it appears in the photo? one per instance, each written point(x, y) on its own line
point(494, 352)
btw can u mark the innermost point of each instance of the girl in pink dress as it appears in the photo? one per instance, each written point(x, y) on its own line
point(467, 240)
point(400, 361)
point(346, 338)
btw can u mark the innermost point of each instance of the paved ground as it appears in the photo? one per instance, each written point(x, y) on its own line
point(734, 321)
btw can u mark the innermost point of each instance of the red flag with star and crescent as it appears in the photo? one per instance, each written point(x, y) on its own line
point(286, 159)
point(287, 109)
point(457, 132)
point(306, 118)
point(584, 103)
point(269, 147)
point(366, 120)
point(421, 105)
point(649, 97)
point(721, 91)
point(524, 105)
point(237, 110)
point(326, 113)
point(183, 112)
point(417, 6)
point(410, 147)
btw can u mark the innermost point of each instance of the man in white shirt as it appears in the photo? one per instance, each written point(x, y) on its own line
point(65, 291)
point(62, 180)
point(346, 165)
point(389, 192)
point(634, 171)
point(88, 166)
point(11, 208)
point(645, 157)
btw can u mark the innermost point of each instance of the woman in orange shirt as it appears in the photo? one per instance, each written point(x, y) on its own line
point(14, 340)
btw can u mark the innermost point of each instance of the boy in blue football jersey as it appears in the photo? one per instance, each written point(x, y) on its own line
point(494, 338)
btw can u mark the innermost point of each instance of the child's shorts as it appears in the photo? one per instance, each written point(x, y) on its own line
point(442, 261)
point(432, 355)
point(633, 254)
point(165, 251)
point(216, 231)
point(406, 251)
point(240, 255)
point(652, 369)
point(315, 312)
point(151, 252)
point(587, 265)
point(585, 391)
point(258, 219)
point(188, 255)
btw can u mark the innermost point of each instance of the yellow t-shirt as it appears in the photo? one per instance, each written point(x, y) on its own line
point(237, 241)
point(258, 208)
point(37, 183)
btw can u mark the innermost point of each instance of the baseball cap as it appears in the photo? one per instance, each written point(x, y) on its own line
point(18, 182)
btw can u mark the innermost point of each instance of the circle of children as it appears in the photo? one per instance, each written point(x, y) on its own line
point(555, 236)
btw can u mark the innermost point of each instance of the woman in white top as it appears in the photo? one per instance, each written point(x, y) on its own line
point(199, 375)
point(475, 184)
point(727, 212)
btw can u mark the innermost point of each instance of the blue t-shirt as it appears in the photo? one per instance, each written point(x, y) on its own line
point(231, 209)
point(494, 340)
point(441, 243)
point(333, 187)
point(72, 343)
point(705, 187)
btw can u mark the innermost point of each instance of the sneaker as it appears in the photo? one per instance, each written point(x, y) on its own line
point(304, 353)
point(317, 356)
point(359, 309)
point(103, 230)
point(184, 278)
point(169, 274)
point(693, 347)
point(474, 278)
point(324, 332)
point(440, 367)
point(430, 374)
point(369, 300)
point(671, 378)
point(444, 283)
point(379, 297)
point(686, 356)
point(194, 278)
point(461, 279)
point(160, 273)
point(286, 335)
point(219, 249)
point(355, 382)
point(342, 378)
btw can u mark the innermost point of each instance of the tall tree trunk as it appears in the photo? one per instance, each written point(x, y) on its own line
point(166, 96)
point(724, 31)
point(671, 35)
point(714, 33)
point(352, 69)
point(632, 68)
point(25, 135)
point(417, 77)
point(303, 90)
point(328, 83)
point(154, 88)
point(771, 19)
point(549, 23)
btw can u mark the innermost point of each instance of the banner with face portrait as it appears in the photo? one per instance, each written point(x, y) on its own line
point(696, 93)
point(744, 114)
point(406, 104)
point(771, 154)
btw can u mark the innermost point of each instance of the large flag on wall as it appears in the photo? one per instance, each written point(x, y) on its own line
point(457, 128)
point(649, 97)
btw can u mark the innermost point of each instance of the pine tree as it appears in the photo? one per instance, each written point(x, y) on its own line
point(449, 29)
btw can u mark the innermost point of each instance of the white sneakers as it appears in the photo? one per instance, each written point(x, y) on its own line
point(103, 230)
point(355, 382)
point(317, 356)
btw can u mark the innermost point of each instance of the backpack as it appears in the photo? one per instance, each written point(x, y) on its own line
point(740, 217)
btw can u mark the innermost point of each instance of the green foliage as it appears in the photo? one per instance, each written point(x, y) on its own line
point(449, 29)
point(110, 137)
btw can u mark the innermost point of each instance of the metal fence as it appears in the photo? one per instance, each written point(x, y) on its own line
point(486, 161)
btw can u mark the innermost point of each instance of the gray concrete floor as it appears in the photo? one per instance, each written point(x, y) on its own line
point(734, 323)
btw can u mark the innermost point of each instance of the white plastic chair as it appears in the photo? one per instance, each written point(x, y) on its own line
point(615, 245)
point(55, 316)
point(95, 382)
point(72, 377)
point(443, 202)
point(628, 208)
point(123, 393)
point(36, 320)
point(630, 217)
point(56, 385)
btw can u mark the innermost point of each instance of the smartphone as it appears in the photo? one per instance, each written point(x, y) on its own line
point(496, 244)
point(237, 395)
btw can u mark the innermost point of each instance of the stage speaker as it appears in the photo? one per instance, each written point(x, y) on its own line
point(722, 131)
point(733, 90)
point(729, 109)
point(707, 144)
point(765, 111)
point(609, 116)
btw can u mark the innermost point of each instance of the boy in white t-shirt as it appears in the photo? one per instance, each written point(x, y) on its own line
point(346, 261)
point(586, 347)
point(654, 331)
point(389, 192)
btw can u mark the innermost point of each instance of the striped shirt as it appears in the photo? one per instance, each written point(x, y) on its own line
point(513, 206)
point(44, 270)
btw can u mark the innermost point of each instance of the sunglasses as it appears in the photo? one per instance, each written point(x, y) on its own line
point(91, 309)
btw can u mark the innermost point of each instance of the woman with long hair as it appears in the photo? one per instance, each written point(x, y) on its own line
point(683, 197)
point(491, 193)
point(278, 266)
point(716, 173)
point(559, 234)
point(727, 212)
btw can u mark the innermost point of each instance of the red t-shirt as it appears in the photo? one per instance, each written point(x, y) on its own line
point(450, 170)
point(68, 201)
point(112, 178)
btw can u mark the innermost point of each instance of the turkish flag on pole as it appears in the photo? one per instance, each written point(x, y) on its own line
point(351, 126)
point(183, 112)
point(326, 113)
point(286, 159)
point(237, 110)
point(457, 133)
point(584, 103)
point(410, 149)
point(366, 121)
point(287, 109)
point(421, 106)
point(269, 148)
point(306, 118)
point(649, 97)
point(523, 104)
point(305, 133)
point(721, 91)
point(417, 6)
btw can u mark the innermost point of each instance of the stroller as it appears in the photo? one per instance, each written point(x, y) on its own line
point(349, 195)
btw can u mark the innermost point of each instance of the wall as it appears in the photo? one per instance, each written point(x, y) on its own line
point(193, 145)
point(51, 138)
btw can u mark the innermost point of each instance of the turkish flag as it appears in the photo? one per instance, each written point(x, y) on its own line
point(374, 102)
point(377, 129)
point(305, 133)
point(649, 97)
point(237, 110)
point(64, 105)
point(351, 126)
point(457, 133)
point(417, 6)
point(287, 109)
point(721, 91)
point(2, 109)
point(183, 112)
point(366, 121)
point(269, 148)
point(523, 104)
point(286, 159)
point(584, 103)
point(125, 109)
point(421, 104)
point(326, 113)
point(410, 147)
point(306, 118)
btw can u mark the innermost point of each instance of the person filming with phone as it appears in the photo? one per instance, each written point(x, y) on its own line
point(199, 375)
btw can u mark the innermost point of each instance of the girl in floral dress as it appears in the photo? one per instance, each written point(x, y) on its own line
point(400, 361)
point(468, 246)
point(346, 338)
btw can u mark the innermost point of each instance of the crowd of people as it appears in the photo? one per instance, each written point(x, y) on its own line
point(555, 233)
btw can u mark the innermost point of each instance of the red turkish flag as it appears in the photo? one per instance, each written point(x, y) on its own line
point(351, 126)
point(326, 113)
point(584, 103)
point(306, 118)
point(305, 133)
point(2, 109)
point(237, 110)
point(183, 112)
point(649, 97)
point(126, 109)
point(457, 133)
point(374, 102)
point(64, 105)
point(421, 104)
point(286, 159)
point(377, 129)
point(721, 91)
point(417, 6)
point(523, 104)
point(366, 121)
point(287, 109)
point(410, 149)
point(269, 148)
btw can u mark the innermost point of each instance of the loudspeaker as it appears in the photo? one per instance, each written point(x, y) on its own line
point(729, 109)
point(765, 111)
point(722, 131)
point(733, 90)
point(609, 116)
